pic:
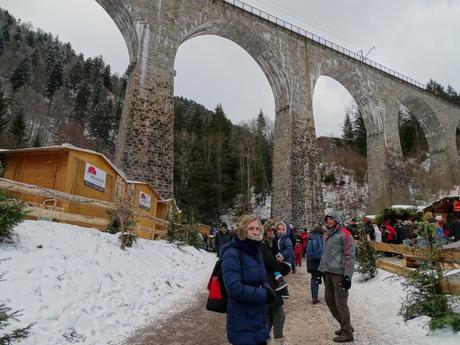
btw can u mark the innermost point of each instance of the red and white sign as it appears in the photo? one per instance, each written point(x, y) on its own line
point(456, 206)
point(94, 177)
point(145, 201)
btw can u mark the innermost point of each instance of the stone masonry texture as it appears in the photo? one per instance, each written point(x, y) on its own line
point(154, 30)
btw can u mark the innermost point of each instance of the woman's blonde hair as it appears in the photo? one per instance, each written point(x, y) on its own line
point(241, 229)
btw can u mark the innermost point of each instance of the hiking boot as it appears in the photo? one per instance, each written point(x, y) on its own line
point(284, 293)
point(344, 338)
point(280, 283)
point(279, 341)
point(339, 331)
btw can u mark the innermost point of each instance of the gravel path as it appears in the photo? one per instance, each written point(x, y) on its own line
point(306, 324)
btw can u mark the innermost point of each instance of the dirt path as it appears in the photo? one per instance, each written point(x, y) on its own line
point(306, 324)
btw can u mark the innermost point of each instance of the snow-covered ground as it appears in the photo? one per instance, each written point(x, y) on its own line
point(80, 287)
point(379, 300)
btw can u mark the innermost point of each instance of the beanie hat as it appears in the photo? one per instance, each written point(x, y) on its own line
point(268, 225)
point(334, 214)
point(242, 231)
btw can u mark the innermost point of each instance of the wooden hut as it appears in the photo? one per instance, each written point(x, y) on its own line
point(70, 170)
point(145, 200)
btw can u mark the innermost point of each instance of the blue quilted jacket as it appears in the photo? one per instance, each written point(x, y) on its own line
point(247, 309)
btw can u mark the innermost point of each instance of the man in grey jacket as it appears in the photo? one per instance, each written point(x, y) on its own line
point(337, 267)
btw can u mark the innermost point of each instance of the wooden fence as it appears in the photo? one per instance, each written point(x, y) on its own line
point(47, 211)
point(410, 256)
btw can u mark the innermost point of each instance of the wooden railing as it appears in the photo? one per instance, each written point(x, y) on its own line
point(52, 212)
point(450, 259)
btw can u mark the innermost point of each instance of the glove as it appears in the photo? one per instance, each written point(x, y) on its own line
point(318, 277)
point(271, 295)
point(346, 283)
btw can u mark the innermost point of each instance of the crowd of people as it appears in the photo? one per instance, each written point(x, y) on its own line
point(255, 258)
point(408, 230)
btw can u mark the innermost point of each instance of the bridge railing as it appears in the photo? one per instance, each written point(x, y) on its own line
point(323, 41)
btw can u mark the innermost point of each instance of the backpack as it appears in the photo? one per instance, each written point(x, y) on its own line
point(315, 247)
point(217, 298)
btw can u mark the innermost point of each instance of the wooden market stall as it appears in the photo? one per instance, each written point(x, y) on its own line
point(66, 169)
point(146, 199)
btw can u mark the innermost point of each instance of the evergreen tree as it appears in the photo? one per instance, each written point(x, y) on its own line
point(6, 33)
point(21, 75)
point(359, 133)
point(82, 101)
point(435, 88)
point(2, 46)
point(75, 75)
point(348, 131)
point(19, 130)
point(100, 123)
point(107, 77)
point(55, 79)
point(3, 111)
point(35, 57)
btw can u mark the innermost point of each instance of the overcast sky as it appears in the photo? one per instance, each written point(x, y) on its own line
point(418, 38)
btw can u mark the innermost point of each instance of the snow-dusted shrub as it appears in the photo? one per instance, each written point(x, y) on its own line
point(6, 317)
point(11, 213)
point(424, 289)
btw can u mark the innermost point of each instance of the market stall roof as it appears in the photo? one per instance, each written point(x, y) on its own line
point(446, 205)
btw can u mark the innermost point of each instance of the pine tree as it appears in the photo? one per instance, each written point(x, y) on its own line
point(2, 46)
point(359, 133)
point(55, 79)
point(21, 75)
point(35, 57)
point(3, 111)
point(6, 33)
point(6, 317)
point(348, 132)
point(75, 75)
point(100, 123)
point(82, 101)
point(19, 130)
point(107, 77)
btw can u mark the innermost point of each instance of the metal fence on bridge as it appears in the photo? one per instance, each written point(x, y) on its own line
point(324, 42)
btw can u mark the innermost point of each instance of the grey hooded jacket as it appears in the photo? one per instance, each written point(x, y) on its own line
point(338, 252)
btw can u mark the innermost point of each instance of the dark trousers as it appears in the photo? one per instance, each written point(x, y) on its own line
point(337, 301)
point(276, 318)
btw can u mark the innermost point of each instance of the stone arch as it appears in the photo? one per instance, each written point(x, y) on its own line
point(235, 66)
point(315, 90)
point(117, 10)
point(429, 122)
point(257, 47)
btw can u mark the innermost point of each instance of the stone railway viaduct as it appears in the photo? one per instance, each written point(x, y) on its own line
point(292, 60)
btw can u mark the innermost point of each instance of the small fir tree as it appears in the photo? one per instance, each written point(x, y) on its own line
point(348, 133)
point(6, 317)
point(21, 75)
point(19, 130)
point(424, 288)
point(366, 256)
point(12, 212)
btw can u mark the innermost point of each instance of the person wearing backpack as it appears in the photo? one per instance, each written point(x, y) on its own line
point(245, 281)
point(313, 254)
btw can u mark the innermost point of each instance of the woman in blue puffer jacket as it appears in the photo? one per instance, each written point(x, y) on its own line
point(245, 281)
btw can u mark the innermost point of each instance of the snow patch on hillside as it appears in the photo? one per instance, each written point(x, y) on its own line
point(345, 193)
point(80, 287)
